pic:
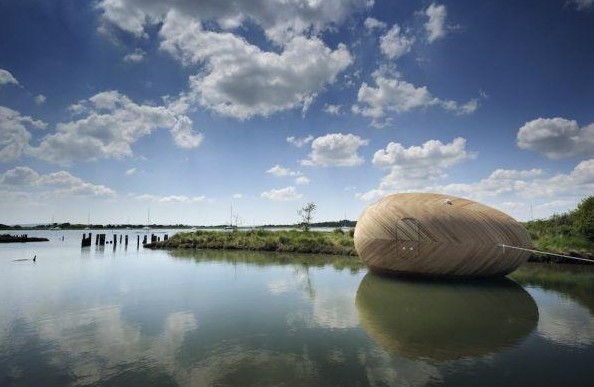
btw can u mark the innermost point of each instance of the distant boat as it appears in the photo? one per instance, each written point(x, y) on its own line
point(230, 226)
point(148, 220)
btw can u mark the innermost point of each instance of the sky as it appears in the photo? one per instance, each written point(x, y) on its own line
point(110, 109)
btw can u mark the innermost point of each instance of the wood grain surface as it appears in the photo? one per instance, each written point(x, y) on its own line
point(439, 235)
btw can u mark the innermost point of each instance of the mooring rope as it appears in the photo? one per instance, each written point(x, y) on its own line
point(543, 252)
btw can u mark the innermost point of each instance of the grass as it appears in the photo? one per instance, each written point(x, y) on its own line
point(291, 241)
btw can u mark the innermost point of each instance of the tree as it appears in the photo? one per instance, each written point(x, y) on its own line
point(306, 214)
point(583, 218)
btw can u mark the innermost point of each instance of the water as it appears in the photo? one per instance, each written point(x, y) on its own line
point(211, 318)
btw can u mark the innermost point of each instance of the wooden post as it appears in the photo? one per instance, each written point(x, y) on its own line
point(126, 240)
point(120, 239)
point(97, 239)
point(137, 241)
point(165, 237)
point(144, 240)
point(115, 240)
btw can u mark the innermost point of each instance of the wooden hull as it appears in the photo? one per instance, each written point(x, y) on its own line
point(438, 235)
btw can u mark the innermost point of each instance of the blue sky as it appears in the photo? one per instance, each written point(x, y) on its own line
point(112, 107)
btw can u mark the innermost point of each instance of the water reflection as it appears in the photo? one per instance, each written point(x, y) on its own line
point(444, 320)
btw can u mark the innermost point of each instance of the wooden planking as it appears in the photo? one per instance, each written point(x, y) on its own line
point(423, 234)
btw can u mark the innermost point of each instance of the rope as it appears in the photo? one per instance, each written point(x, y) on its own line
point(543, 252)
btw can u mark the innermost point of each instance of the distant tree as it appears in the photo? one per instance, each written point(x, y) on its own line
point(306, 214)
point(583, 218)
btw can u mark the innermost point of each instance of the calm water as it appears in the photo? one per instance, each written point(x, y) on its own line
point(140, 318)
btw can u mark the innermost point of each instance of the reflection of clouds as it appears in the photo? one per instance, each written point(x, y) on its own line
point(383, 370)
point(236, 365)
point(94, 343)
point(298, 280)
point(335, 308)
point(564, 321)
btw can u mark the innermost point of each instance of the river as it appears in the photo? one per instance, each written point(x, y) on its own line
point(136, 317)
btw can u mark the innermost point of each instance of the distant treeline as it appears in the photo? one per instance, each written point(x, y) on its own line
point(78, 226)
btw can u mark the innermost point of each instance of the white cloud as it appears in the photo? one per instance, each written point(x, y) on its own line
point(299, 142)
point(416, 167)
point(173, 199)
point(14, 133)
point(40, 99)
point(183, 134)
point(61, 183)
point(372, 24)
point(131, 171)
point(240, 80)
point(583, 4)
point(556, 137)
point(395, 43)
point(111, 125)
point(435, 26)
point(280, 20)
point(19, 176)
point(7, 78)
point(280, 171)
point(70, 185)
point(282, 194)
point(302, 180)
point(335, 150)
point(237, 196)
point(334, 110)
point(392, 94)
point(236, 78)
point(136, 56)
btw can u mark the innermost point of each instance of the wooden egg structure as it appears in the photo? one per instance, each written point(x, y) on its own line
point(439, 235)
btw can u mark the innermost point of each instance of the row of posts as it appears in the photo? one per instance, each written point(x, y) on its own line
point(100, 240)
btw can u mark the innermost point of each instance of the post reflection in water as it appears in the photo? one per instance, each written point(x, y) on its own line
point(442, 320)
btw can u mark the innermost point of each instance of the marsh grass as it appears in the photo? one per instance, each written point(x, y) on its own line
point(289, 241)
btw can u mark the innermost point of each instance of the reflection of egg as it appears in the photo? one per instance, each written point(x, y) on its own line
point(432, 234)
point(444, 320)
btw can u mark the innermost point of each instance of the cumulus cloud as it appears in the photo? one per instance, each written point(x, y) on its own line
point(435, 25)
point(19, 176)
point(61, 183)
point(556, 137)
point(111, 125)
point(130, 171)
point(136, 56)
point(14, 133)
point(282, 194)
point(391, 94)
point(299, 142)
point(236, 78)
point(237, 196)
point(172, 199)
point(395, 43)
point(302, 180)
point(335, 150)
point(373, 24)
point(280, 20)
point(280, 171)
point(7, 78)
point(416, 166)
point(334, 110)
point(40, 99)
point(241, 80)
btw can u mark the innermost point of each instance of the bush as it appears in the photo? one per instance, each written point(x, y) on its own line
point(583, 218)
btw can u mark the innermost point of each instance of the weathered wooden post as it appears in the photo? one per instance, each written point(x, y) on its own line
point(165, 237)
point(120, 239)
point(137, 241)
point(144, 240)
point(102, 240)
point(115, 240)
point(97, 239)
point(126, 240)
